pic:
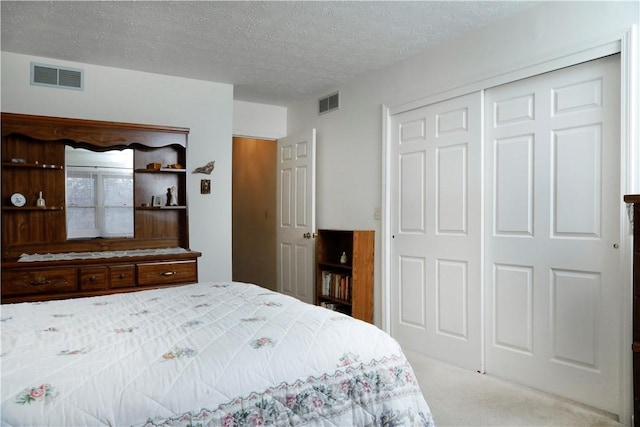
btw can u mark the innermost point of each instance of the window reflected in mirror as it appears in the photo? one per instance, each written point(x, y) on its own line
point(99, 193)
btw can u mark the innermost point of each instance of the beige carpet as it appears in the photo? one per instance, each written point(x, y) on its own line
point(462, 398)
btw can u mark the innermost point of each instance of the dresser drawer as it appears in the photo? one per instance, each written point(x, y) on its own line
point(122, 276)
point(21, 282)
point(164, 273)
point(93, 278)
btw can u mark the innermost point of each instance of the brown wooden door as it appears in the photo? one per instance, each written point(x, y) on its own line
point(254, 211)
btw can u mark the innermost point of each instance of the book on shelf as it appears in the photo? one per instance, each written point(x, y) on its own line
point(336, 285)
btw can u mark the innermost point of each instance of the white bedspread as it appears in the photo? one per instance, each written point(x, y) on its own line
point(205, 354)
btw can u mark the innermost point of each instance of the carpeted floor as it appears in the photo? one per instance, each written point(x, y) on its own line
point(462, 398)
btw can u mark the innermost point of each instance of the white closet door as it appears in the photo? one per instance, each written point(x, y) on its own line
point(552, 227)
point(436, 229)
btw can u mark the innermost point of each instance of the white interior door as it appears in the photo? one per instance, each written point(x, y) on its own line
point(296, 215)
point(436, 190)
point(552, 227)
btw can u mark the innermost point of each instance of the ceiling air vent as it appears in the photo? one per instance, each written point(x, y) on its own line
point(53, 76)
point(329, 103)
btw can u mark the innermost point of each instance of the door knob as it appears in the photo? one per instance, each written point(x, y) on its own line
point(309, 235)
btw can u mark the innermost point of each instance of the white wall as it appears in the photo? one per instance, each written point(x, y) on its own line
point(128, 96)
point(259, 120)
point(349, 152)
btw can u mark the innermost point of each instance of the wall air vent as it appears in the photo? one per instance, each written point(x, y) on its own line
point(329, 103)
point(54, 76)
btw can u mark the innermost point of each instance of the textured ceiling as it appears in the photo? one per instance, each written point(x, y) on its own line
point(274, 52)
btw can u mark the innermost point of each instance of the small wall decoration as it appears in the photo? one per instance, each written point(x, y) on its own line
point(205, 186)
point(208, 168)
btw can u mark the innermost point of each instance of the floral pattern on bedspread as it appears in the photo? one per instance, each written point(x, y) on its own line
point(44, 393)
point(364, 386)
point(219, 354)
point(179, 353)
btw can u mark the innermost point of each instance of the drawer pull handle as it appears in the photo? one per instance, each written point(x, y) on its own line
point(122, 276)
point(168, 273)
point(40, 282)
point(92, 278)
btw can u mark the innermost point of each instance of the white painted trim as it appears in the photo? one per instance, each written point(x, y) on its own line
point(255, 137)
point(629, 184)
point(630, 78)
point(483, 358)
point(627, 45)
point(385, 228)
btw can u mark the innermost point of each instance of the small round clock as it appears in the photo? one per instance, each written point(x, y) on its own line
point(18, 199)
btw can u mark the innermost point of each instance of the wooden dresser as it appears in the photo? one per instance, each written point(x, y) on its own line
point(154, 251)
point(58, 279)
point(635, 200)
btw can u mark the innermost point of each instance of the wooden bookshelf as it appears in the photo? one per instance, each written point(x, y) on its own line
point(344, 271)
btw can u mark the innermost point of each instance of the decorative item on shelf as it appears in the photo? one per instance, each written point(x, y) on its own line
point(208, 168)
point(17, 160)
point(172, 196)
point(18, 200)
point(174, 166)
point(145, 205)
point(40, 200)
point(156, 201)
point(328, 306)
point(343, 258)
point(154, 166)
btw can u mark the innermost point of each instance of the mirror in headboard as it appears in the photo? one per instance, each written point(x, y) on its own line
point(47, 155)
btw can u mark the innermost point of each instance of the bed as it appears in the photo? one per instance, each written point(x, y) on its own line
point(219, 354)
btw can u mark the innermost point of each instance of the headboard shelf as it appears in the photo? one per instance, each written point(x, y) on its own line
point(34, 149)
point(31, 165)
